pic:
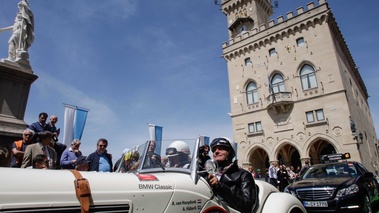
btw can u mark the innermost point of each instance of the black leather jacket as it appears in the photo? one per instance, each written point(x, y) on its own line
point(237, 189)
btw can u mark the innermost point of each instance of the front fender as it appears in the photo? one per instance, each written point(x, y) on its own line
point(282, 202)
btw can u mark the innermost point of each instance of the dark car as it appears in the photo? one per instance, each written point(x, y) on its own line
point(342, 186)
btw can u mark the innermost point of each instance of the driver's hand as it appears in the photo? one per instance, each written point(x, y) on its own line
point(213, 181)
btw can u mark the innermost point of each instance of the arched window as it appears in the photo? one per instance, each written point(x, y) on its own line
point(277, 83)
point(252, 93)
point(308, 77)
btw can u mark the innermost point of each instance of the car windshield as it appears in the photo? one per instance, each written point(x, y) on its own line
point(331, 171)
point(172, 155)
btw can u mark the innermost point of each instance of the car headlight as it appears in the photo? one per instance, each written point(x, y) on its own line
point(287, 190)
point(349, 190)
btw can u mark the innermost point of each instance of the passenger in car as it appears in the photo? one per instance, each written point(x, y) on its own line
point(153, 160)
point(178, 155)
point(118, 164)
point(129, 161)
point(233, 185)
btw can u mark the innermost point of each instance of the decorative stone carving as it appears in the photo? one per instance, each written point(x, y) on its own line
point(337, 131)
point(300, 136)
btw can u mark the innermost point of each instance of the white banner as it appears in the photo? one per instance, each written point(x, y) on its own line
point(69, 116)
point(152, 132)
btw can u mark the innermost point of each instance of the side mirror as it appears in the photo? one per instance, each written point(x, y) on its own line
point(369, 174)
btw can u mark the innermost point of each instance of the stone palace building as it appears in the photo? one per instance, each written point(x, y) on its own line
point(295, 91)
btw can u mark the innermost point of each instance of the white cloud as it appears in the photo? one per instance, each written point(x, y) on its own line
point(69, 94)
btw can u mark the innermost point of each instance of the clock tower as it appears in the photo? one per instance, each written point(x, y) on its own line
point(246, 15)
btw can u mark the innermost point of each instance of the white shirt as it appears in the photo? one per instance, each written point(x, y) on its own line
point(272, 172)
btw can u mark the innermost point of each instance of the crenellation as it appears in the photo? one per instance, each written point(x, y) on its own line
point(238, 38)
point(310, 5)
point(289, 15)
point(280, 19)
point(224, 44)
point(300, 10)
point(271, 23)
point(245, 34)
point(262, 27)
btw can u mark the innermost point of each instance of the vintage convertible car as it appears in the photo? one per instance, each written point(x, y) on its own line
point(138, 185)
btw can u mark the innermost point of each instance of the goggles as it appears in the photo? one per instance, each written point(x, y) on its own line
point(171, 151)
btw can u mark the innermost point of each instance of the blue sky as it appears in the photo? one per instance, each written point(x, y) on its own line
point(134, 62)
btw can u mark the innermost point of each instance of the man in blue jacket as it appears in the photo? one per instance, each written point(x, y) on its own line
point(100, 160)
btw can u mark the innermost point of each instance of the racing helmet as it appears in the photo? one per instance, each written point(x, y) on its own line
point(125, 151)
point(132, 155)
point(223, 141)
point(176, 147)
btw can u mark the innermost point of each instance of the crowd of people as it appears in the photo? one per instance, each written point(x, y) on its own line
point(40, 149)
point(281, 176)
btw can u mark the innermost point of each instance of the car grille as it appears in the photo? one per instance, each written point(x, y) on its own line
point(315, 193)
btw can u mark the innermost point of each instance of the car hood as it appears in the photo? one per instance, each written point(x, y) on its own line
point(324, 182)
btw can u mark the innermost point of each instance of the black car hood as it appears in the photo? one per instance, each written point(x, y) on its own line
point(322, 182)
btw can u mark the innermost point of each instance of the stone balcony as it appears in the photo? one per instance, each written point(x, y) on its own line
point(280, 102)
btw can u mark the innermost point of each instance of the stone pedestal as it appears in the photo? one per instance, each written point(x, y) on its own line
point(15, 81)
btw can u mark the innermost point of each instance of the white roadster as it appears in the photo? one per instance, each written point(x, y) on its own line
point(134, 187)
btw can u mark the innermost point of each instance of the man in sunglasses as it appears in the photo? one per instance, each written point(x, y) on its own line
point(18, 147)
point(232, 184)
point(100, 160)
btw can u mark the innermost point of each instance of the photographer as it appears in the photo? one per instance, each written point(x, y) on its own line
point(203, 156)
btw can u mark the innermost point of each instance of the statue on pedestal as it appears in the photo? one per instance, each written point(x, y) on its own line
point(22, 34)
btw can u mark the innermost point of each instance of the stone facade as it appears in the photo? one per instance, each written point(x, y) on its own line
point(295, 91)
point(15, 82)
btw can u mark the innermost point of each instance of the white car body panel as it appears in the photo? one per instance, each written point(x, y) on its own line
point(173, 191)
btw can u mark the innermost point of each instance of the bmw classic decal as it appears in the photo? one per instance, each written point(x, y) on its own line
point(155, 186)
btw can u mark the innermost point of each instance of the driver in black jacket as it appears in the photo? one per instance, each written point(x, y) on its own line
point(231, 184)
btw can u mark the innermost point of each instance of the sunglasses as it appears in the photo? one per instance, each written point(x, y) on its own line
point(105, 146)
point(171, 151)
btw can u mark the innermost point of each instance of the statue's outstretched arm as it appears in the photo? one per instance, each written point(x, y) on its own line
point(6, 28)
